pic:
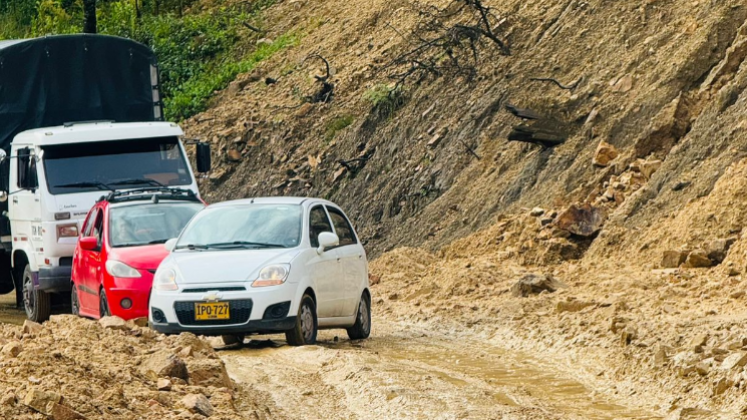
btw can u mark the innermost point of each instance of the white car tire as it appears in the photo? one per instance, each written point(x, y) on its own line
point(305, 330)
point(362, 327)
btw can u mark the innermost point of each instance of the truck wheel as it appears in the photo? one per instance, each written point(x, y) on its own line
point(6, 275)
point(362, 327)
point(37, 303)
point(103, 304)
point(74, 300)
point(230, 340)
point(306, 326)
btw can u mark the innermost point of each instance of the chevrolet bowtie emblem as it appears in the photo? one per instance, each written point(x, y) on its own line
point(211, 297)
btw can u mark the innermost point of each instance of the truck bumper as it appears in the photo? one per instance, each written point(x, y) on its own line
point(54, 280)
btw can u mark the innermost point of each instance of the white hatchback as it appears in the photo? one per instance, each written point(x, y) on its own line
point(264, 266)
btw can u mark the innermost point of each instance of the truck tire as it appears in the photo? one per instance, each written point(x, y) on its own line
point(74, 300)
point(103, 304)
point(362, 327)
point(304, 332)
point(37, 303)
point(6, 275)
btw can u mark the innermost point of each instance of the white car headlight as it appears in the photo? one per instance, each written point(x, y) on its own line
point(165, 280)
point(272, 275)
point(121, 270)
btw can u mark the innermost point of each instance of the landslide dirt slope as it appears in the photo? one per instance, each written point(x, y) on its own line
point(661, 80)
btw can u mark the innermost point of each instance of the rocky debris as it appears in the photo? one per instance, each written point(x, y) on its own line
point(537, 212)
point(163, 364)
point(584, 220)
point(63, 412)
point(12, 349)
point(114, 323)
point(75, 369)
point(604, 154)
point(163, 384)
point(198, 403)
point(673, 259)
point(717, 249)
point(31, 327)
point(738, 359)
point(572, 306)
point(41, 401)
point(208, 372)
point(623, 84)
point(698, 259)
point(533, 284)
point(627, 335)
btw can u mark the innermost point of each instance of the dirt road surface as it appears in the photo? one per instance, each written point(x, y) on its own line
point(407, 372)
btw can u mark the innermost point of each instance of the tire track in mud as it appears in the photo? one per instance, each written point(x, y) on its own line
point(405, 372)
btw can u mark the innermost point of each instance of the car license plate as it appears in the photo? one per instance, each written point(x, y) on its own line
point(211, 311)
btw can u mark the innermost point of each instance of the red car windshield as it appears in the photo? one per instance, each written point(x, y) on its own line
point(147, 224)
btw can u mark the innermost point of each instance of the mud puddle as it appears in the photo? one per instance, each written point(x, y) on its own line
point(400, 373)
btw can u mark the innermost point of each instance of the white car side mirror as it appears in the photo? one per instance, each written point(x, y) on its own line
point(170, 244)
point(327, 240)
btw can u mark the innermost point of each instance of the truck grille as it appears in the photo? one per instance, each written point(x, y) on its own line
point(240, 311)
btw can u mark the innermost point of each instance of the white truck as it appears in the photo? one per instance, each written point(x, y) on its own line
point(54, 164)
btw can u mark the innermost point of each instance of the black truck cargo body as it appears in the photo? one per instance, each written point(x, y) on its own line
point(49, 81)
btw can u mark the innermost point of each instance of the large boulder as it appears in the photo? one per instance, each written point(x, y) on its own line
point(585, 220)
point(163, 364)
point(673, 259)
point(208, 372)
point(698, 259)
point(533, 284)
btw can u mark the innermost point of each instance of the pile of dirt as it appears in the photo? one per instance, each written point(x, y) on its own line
point(665, 339)
point(72, 368)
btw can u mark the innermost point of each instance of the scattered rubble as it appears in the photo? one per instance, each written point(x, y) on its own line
point(71, 368)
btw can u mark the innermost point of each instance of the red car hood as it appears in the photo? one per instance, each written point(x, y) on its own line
point(146, 257)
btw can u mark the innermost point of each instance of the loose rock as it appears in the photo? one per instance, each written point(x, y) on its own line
point(41, 401)
point(584, 220)
point(31, 327)
point(532, 284)
point(604, 154)
point(113, 323)
point(698, 259)
point(198, 403)
point(673, 259)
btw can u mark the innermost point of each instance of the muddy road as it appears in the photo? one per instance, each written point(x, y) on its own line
point(409, 372)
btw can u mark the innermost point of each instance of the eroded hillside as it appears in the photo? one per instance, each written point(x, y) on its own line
point(659, 81)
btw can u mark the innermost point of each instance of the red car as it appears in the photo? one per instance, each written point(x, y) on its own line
point(121, 246)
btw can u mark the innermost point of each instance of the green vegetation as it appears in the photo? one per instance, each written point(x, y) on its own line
point(384, 100)
point(199, 52)
point(336, 125)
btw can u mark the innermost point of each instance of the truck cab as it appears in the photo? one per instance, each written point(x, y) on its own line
point(56, 174)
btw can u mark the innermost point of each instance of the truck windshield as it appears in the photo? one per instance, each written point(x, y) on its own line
point(81, 167)
point(148, 224)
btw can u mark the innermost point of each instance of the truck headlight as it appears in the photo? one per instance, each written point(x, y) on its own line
point(121, 270)
point(67, 231)
point(272, 275)
point(165, 280)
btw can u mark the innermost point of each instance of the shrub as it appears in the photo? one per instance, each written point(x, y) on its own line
point(338, 124)
point(384, 100)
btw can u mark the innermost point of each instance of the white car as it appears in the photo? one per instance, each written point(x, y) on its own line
point(264, 266)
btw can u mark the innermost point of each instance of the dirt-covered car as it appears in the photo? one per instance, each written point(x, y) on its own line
point(264, 265)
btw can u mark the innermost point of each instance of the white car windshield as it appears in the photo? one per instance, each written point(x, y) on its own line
point(248, 226)
point(147, 224)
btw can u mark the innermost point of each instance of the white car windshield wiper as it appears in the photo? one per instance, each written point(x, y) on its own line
point(192, 246)
point(244, 244)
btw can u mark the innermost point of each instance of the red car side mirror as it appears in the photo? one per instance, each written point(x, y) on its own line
point(89, 244)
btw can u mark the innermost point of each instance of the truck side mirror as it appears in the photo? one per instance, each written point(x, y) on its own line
point(204, 162)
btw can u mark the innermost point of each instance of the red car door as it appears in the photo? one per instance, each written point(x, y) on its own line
point(94, 262)
point(80, 267)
